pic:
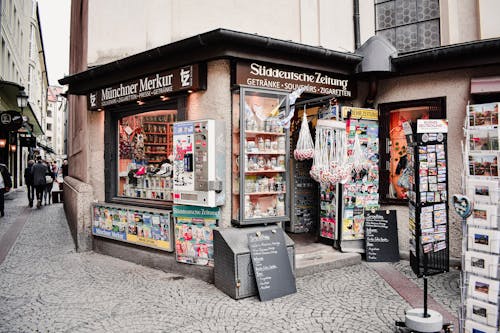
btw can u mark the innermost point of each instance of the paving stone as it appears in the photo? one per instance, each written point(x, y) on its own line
point(46, 286)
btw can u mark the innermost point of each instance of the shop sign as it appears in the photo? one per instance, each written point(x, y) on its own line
point(360, 113)
point(11, 120)
point(153, 85)
point(27, 140)
point(262, 75)
point(432, 126)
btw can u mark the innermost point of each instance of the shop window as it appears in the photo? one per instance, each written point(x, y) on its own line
point(410, 25)
point(393, 142)
point(145, 155)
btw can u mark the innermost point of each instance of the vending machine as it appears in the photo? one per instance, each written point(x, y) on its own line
point(199, 163)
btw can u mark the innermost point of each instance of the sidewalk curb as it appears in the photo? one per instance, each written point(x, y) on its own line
point(8, 240)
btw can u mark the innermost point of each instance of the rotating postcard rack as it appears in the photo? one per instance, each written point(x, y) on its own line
point(428, 212)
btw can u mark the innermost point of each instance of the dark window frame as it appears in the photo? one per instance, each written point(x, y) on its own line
point(437, 110)
point(111, 118)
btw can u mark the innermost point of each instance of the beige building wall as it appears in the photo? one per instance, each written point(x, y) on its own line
point(489, 25)
point(120, 28)
point(214, 103)
point(455, 86)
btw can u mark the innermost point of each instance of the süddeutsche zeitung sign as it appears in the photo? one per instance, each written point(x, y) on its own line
point(152, 85)
point(262, 75)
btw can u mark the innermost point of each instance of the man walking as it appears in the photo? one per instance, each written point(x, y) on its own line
point(39, 171)
point(28, 180)
point(5, 185)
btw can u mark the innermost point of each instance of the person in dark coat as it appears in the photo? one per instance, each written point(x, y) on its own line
point(28, 180)
point(5, 186)
point(39, 171)
point(64, 168)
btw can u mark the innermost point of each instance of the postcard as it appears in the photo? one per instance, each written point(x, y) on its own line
point(482, 312)
point(483, 288)
point(439, 246)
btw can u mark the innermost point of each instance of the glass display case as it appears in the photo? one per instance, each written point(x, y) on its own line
point(145, 155)
point(261, 158)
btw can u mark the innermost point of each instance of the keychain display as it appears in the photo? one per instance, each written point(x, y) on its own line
point(330, 165)
point(305, 145)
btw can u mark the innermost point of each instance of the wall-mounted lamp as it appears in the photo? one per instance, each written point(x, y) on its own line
point(3, 143)
point(139, 102)
point(22, 99)
point(13, 148)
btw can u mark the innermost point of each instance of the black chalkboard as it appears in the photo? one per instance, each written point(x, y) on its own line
point(381, 236)
point(273, 273)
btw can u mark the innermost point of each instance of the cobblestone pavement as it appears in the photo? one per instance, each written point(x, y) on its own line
point(47, 287)
point(444, 288)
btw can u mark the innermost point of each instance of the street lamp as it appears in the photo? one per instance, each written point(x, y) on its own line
point(22, 99)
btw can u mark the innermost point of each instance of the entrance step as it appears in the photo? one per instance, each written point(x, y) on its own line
point(315, 258)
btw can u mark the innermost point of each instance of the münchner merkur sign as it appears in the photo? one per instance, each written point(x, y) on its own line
point(152, 85)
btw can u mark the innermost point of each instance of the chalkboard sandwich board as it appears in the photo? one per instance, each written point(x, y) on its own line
point(381, 236)
point(273, 273)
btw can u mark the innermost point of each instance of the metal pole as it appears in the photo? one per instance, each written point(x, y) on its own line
point(426, 315)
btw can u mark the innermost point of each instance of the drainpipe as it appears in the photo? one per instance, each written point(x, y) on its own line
point(372, 92)
point(355, 18)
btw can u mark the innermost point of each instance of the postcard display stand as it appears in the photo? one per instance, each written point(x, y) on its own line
point(360, 193)
point(428, 211)
point(481, 238)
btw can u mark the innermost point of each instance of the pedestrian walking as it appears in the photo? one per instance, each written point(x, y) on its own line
point(39, 171)
point(49, 183)
point(64, 168)
point(5, 185)
point(28, 180)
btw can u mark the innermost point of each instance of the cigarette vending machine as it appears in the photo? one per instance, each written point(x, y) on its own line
point(199, 163)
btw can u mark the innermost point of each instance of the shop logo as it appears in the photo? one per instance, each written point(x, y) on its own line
point(186, 78)
point(5, 118)
point(93, 99)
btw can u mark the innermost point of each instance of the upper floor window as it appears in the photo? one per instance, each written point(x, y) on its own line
point(410, 25)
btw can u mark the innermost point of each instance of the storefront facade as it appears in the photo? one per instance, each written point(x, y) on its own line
point(124, 112)
point(130, 113)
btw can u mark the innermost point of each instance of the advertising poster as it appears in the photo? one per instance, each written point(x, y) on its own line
point(194, 234)
point(138, 226)
point(183, 157)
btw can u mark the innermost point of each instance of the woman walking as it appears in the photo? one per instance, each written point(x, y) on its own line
point(49, 183)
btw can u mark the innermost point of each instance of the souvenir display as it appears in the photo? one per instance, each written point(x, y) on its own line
point(481, 274)
point(138, 225)
point(305, 147)
point(194, 234)
point(360, 191)
point(145, 155)
point(428, 195)
point(262, 161)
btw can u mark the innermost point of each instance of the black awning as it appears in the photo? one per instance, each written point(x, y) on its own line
point(46, 148)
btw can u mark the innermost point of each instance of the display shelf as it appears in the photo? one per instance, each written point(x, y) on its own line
point(156, 144)
point(250, 133)
point(260, 160)
point(277, 152)
point(264, 171)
